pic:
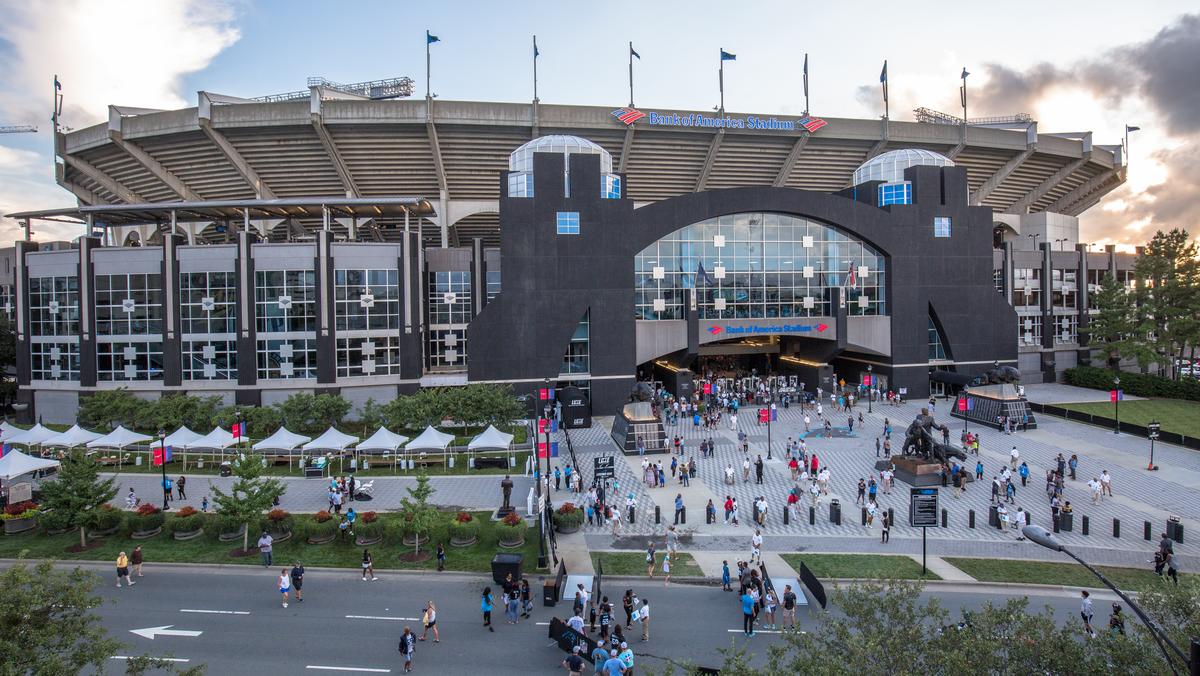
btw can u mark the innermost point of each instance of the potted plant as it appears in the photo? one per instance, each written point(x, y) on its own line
point(54, 522)
point(321, 528)
point(369, 530)
point(279, 524)
point(19, 517)
point(511, 530)
point(186, 524)
point(464, 530)
point(104, 520)
point(229, 527)
point(146, 522)
point(568, 518)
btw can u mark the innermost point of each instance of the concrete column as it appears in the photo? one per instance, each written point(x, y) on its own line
point(87, 312)
point(1008, 272)
point(1048, 366)
point(247, 342)
point(21, 298)
point(1082, 299)
point(172, 322)
point(326, 335)
point(478, 276)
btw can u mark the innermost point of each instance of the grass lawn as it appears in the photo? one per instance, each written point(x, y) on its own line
point(634, 563)
point(859, 566)
point(207, 549)
point(186, 463)
point(1039, 572)
point(1181, 417)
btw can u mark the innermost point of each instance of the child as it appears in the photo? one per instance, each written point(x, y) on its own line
point(725, 576)
point(204, 504)
point(591, 514)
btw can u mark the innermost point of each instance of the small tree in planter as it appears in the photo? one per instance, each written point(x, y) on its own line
point(321, 528)
point(147, 519)
point(568, 518)
point(279, 523)
point(105, 520)
point(228, 527)
point(19, 517)
point(369, 530)
point(417, 515)
point(512, 530)
point(54, 523)
point(464, 529)
point(251, 494)
point(186, 523)
point(78, 490)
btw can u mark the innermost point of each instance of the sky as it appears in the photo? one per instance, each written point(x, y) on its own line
point(1074, 66)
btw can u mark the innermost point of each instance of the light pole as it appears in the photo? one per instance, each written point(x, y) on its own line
point(542, 478)
point(162, 455)
point(770, 403)
point(870, 369)
point(1045, 538)
point(1153, 429)
point(1116, 397)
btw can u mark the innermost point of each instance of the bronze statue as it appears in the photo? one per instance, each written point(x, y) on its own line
point(919, 440)
point(641, 392)
point(506, 485)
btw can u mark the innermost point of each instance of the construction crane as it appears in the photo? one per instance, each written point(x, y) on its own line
point(18, 129)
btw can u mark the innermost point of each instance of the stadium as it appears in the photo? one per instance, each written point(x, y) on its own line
point(352, 239)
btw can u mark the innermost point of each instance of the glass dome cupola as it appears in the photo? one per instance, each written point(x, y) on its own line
point(520, 164)
point(889, 167)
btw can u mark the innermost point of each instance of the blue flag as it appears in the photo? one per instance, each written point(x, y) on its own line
point(431, 38)
point(964, 73)
point(883, 73)
point(726, 56)
point(634, 54)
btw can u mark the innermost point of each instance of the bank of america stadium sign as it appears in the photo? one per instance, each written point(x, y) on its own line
point(628, 116)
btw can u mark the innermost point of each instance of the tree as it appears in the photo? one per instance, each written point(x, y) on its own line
point(306, 412)
point(418, 516)
point(8, 345)
point(108, 408)
point(1168, 291)
point(78, 490)
point(251, 495)
point(1111, 330)
point(175, 410)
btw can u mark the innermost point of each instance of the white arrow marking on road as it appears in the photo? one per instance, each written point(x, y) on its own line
point(215, 612)
point(165, 630)
point(374, 671)
point(164, 659)
point(380, 617)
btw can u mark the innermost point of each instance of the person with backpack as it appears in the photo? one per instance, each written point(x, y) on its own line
point(408, 645)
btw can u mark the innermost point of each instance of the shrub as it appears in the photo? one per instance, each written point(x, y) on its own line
point(1137, 384)
point(321, 525)
point(105, 517)
point(20, 510)
point(368, 517)
point(464, 517)
point(185, 520)
point(568, 516)
point(54, 520)
point(464, 529)
point(369, 526)
point(146, 518)
point(279, 521)
point(511, 527)
point(225, 523)
point(186, 511)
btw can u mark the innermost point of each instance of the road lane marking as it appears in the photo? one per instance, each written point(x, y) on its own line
point(759, 631)
point(165, 630)
point(381, 617)
point(164, 659)
point(542, 624)
point(215, 612)
point(367, 669)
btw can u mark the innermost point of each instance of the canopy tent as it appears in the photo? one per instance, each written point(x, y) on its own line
point(33, 436)
point(282, 440)
point(119, 438)
point(218, 439)
point(16, 463)
point(8, 431)
point(180, 438)
point(331, 440)
point(76, 436)
point(490, 439)
point(430, 440)
point(383, 440)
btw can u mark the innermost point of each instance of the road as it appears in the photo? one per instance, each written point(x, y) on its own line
point(232, 621)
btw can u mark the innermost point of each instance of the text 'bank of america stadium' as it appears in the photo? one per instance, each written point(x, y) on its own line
point(328, 241)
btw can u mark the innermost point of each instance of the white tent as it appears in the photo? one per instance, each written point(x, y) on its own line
point(282, 440)
point(180, 438)
point(430, 440)
point(76, 436)
point(218, 439)
point(119, 438)
point(16, 463)
point(383, 440)
point(8, 431)
point(32, 436)
point(331, 440)
point(490, 439)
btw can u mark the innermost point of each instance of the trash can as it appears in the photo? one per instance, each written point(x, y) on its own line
point(835, 511)
point(1175, 529)
point(550, 592)
point(993, 516)
point(1066, 521)
point(226, 469)
point(504, 563)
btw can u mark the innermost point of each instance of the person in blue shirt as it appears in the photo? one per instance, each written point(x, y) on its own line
point(599, 655)
point(557, 478)
point(613, 666)
point(485, 604)
point(748, 613)
point(725, 576)
point(567, 475)
point(978, 470)
point(1023, 470)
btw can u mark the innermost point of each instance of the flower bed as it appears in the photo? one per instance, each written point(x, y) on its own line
point(229, 529)
point(511, 531)
point(186, 524)
point(568, 518)
point(369, 530)
point(464, 530)
point(279, 523)
point(146, 522)
point(20, 517)
point(104, 520)
point(320, 528)
point(54, 522)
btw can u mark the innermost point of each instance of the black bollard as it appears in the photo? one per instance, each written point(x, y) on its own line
point(812, 516)
point(864, 516)
point(631, 514)
point(891, 516)
point(1146, 531)
point(1055, 518)
point(1116, 528)
point(971, 518)
point(657, 515)
point(683, 515)
point(786, 516)
point(945, 516)
point(1085, 524)
point(708, 516)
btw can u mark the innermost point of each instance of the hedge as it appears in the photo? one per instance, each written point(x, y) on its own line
point(1137, 384)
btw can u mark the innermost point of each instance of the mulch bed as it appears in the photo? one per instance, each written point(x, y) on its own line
point(240, 553)
point(75, 549)
point(410, 557)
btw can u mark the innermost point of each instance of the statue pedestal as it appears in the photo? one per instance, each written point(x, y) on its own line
point(917, 471)
point(502, 512)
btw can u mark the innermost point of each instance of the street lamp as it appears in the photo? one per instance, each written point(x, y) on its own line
point(770, 403)
point(870, 386)
point(542, 478)
point(1153, 429)
point(1116, 397)
point(162, 455)
point(1045, 538)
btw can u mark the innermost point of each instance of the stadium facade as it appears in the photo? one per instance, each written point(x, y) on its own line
point(251, 249)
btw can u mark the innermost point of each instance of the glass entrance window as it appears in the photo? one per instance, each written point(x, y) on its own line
point(129, 304)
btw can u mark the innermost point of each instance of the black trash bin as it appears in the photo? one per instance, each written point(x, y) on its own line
point(993, 517)
point(835, 511)
point(1066, 521)
point(504, 563)
point(1175, 529)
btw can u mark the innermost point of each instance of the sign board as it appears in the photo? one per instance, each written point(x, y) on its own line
point(1153, 428)
point(604, 467)
point(21, 492)
point(923, 508)
point(866, 380)
point(1116, 395)
point(903, 391)
point(541, 504)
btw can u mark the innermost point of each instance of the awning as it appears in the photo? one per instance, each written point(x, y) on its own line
point(218, 439)
point(8, 431)
point(491, 439)
point(76, 436)
point(383, 440)
point(430, 440)
point(119, 438)
point(282, 440)
point(331, 440)
point(180, 438)
point(33, 436)
point(16, 463)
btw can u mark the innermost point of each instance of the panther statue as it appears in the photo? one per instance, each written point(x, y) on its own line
point(919, 440)
point(641, 392)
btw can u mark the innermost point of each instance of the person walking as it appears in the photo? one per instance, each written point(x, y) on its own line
point(573, 663)
point(136, 559)
point(285, 585)
point(758, 470)
point(650, 558)
point(748, 611)
point(407, 647)
point(1023, 471)
point(666, 567)
point(861, 499)
point(1073, 465)
point(429, 621)
point(485, 605)
point(1014, 457)
point(1085, 611)
point(297, 575)
point(166, 486)
point(725, 576)
point(756, 541)
point(627, 606)
point(264, 549)
point(678, 507)
point(123, 570)
point(1105, 483)
point(886, 522)
point(441, 557)
point(368, 565)
point(789, 606)
point(181, 487)
point(512, 604)
point(644, 618)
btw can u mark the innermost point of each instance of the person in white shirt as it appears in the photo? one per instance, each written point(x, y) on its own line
point(1014, 458)
point(815, 492)
point(746, 469)
point(1002, 513)
point(872, 509)
point(756, 541)
point(823, 479)
point(1096, 488)
point(1085, 611)
point(729, 474)
point(1105, 484)
point(576, 623)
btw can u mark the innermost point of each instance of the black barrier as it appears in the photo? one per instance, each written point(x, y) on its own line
point(632, 513)
point(970, 518)
point(945, 516)
point(683, 515)
point(891, 517)
point(812, 516)
point(1175, 529)
point(657, 515)
point(1056, 520)
point(786, 518)
point(567, 638)
point(864, 516)
point(1083, 525)
point(1147, 531)
point(1116, 528)
point(552, 587)
point(813, 585)
point(708, 516)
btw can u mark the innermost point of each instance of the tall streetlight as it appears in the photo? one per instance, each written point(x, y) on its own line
point(1045, 538)
point(547, 407)
point(1116, 397)
point(162, 455)
point(870, 368)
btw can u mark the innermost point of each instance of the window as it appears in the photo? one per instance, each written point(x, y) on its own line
point(129, 361)
point(450, 297)
point(448, 348)
point(1031, 329)
point(577, 357)
point(208, 302)
point(54, 361)
point(1063, 289)
point(998, 280)
point(611, 188)
point(895, 193)
point(286, 301)
point(7, 305)
point(520, 184)
point(368, 356)
point(941, 226)
point(210, 359)
point(1066, 329)
point(568, 222)
point(54, 306)
point(493, 284)
point(1027, 287)
point(367, 299)
point(129, 305)
point(937, 348)
point(286, 359)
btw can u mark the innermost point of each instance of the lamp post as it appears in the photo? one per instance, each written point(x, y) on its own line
point(1045, 538)
point(542, 478)
point(162, 454)
point(1116, 397)
point(770, 403)
point(870, 385)
point(1153, 429)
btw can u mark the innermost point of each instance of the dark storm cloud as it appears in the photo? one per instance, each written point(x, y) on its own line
point(1170, 68)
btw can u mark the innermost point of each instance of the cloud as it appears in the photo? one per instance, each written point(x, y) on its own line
point(132, 52)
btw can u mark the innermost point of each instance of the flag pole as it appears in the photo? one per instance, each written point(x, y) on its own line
point(883, 80)
point(535, 56)
point(806, 108)
point(630, 73)
point(428, 94)
point(721, 80)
